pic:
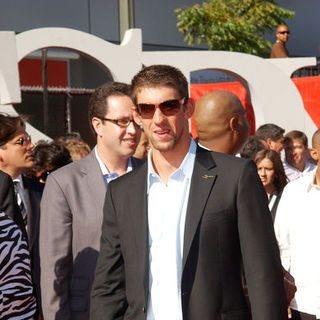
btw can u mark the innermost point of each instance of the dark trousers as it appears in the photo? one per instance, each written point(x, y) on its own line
point(298, 315)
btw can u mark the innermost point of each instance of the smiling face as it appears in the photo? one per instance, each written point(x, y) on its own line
point(16, 155)
point(296, 153)
point(167, 134)
point(120, 141)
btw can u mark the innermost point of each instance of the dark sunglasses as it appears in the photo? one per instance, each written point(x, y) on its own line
point(168, 108)
point(284, 32)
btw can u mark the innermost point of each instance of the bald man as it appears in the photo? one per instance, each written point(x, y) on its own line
point(221, 122)
point(279, 49)
point(297, 229)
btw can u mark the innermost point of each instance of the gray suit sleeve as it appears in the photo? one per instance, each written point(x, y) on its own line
point(55, 251)
point(108, 299)
point(259, 249)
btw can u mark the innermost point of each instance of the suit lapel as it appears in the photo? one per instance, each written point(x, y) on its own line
point(203, 179)
point(139, 220)
point(31, 218)
point(93, 179)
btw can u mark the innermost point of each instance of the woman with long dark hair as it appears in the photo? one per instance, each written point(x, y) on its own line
point(272, 175)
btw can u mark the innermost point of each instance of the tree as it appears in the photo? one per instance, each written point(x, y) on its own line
point(232, 25)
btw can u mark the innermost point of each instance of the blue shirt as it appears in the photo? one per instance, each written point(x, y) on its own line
point(105, 172)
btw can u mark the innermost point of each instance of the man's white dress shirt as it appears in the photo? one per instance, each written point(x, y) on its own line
point(167, 205)
point(292, 173)
point(19, 189)
point(297, 228)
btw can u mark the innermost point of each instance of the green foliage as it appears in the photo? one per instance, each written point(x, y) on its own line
point(232, 25)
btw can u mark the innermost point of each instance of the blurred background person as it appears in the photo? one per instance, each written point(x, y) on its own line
point(78, 149)
point(272, 135)
point(252, 146)
point(143, 147)
point(296, 163)
point(47, 157)
point(272, 175)
point(279, 49)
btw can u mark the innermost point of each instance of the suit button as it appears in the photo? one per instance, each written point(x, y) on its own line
point(143, 309)
point(184, 293)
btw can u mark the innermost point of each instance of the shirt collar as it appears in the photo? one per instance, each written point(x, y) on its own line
point(311, 183)
point(104, 169)
point(200, 145)
point(19, 180)
point(185, 169)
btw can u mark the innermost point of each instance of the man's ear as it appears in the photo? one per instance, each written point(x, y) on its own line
point(189, 108)
point(233, 124)
point(269, 142)
point(97, 125)
point(136, 116)
point(314, 154)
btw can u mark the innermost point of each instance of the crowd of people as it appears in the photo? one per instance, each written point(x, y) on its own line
point(151, 224)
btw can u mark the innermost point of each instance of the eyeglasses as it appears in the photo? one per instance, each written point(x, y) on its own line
point(23, 141)
point(123, 123)
point(168, 108)
point(284, 32)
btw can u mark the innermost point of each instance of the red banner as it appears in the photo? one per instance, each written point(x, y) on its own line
point(309, 88)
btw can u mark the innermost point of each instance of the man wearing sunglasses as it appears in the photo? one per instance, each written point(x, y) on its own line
point(15, 159)
point(177, 230)
point(72, 205)
point(279, 49)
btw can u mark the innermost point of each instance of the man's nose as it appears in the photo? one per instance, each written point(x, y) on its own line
point(158, 116)
point(30, 146)
point(132, 128)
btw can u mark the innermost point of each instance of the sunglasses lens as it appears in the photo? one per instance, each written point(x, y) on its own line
point(146, 110)
point(170, 107)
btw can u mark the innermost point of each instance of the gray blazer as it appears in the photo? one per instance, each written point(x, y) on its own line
point(70, 229)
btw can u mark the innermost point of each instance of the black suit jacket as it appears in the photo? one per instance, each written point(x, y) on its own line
point(8, 201)
point(227, 222)
point(33, 193)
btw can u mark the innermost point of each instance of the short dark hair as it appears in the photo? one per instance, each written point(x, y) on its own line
point(280, 178)
point(98, 100)
point(49, 154)
point(160, 75)
point(269, 130)
point(296, 134)
point(9, 125)
point(251, 147)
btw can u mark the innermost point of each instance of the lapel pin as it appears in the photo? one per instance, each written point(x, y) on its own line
point(207, 177)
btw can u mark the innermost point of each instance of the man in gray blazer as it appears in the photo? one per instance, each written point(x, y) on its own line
point(72, 204)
